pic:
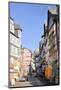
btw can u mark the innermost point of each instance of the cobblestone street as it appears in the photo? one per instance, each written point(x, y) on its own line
point(32, 81)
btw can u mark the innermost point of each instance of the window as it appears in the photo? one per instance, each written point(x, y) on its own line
point(11, 26)
point(12, 38)
point(11, 50)
point(12, 60)
point(19, 52)
point(16, 51)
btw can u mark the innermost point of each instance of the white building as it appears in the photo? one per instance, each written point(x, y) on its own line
point(15, 45)
point(15, 40)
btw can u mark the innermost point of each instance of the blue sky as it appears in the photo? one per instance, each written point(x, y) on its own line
point(31, 17)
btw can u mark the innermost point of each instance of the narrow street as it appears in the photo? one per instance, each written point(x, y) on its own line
point(34, 54)
point(32, 81)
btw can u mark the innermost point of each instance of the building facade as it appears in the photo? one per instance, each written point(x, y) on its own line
point(51, 42)
point(53, 32)
point(26, 57)
point(15, 45)
point(51, 36)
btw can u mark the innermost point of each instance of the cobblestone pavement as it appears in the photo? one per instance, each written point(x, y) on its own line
point(32, 81)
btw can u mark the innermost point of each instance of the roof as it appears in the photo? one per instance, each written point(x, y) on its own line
point(27, 49)
point(11, 18)
point(53, 10)
point(17, 27)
